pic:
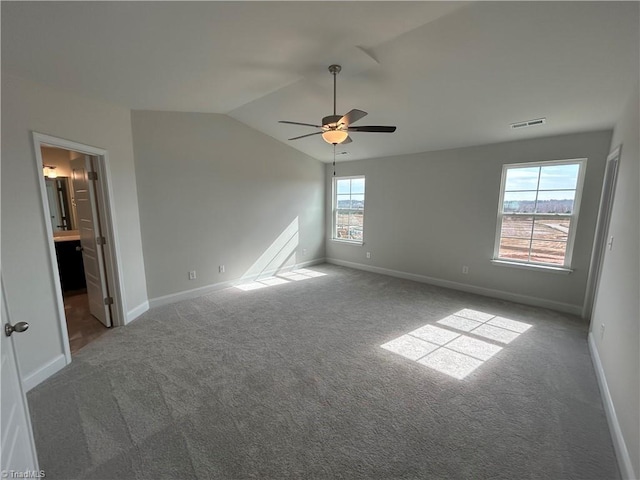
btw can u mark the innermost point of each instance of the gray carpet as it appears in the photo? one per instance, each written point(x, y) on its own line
point(290, 381)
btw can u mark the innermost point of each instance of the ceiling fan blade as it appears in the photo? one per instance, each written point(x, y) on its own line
point(352, 117)
point(372, 128)
point(307, 135)
point(298, 123)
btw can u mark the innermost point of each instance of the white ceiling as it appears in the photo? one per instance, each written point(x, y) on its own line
point(448, 74)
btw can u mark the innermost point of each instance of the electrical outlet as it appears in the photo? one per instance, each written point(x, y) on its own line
point(610, 243)
point(304, 252)
point(192, 275)
point(368, 254)
point(221, 269)
point(465, 269)
point(602, 331)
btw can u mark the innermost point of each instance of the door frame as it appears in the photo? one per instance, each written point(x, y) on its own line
point(602, 230)
point(104, 196)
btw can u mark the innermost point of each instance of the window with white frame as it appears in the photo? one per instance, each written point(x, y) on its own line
point(538, 212)
point(348, 209)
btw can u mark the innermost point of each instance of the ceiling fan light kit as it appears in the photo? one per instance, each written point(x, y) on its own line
point(335, 128)
point(335, 136)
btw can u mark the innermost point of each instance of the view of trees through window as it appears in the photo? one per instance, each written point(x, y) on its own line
point(349, 208)
point(538, 212)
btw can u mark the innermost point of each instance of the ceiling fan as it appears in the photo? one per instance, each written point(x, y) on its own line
point(335, 128)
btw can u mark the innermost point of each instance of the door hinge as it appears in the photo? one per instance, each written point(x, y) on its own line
point(92, 175)
point(101, 241)
point(108, 301)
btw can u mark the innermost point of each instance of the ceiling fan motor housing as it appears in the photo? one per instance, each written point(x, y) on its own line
point(331, 120)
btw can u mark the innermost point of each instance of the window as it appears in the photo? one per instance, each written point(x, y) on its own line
point(348, 209)
point(538, 212)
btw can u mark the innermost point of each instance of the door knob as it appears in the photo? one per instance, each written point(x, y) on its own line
point(78, 248)
point(18, 327)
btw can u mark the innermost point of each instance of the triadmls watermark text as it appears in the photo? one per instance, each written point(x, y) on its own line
point(22, 474)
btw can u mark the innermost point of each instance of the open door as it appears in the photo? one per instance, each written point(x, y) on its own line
point(602, 230)
point(83, 178)
point(17, 445)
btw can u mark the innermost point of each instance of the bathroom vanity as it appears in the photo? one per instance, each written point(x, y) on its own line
point(70, 265)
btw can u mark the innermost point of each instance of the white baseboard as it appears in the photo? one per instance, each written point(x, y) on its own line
point(44, 372)
point(200, 291)
point(187, 294)
point(622, 454)
point(487, 292)
point(136, 312)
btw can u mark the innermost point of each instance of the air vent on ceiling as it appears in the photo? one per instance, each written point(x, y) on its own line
point(528, 123)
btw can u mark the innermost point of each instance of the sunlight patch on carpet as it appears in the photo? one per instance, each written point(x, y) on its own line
point(455, 350)
point(281, 279)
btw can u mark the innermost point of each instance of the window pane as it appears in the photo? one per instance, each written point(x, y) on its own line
point(343, 186)
point(551, 229)
point(349, 198)
point(519, 202)
point(357, 201)
point(342, 223)
point(555, 202)
point(516, 227)
point(548, 252)
point(355, 233)
point(559, 177)
point(514, 249)
point(343, 201)
point(357, 185)
point(522, 178)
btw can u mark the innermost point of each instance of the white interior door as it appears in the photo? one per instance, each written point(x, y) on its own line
point(17, 445)
point(89, 228)
point(602, 230)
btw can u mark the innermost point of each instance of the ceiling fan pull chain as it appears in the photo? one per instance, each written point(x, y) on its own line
point(334, 159)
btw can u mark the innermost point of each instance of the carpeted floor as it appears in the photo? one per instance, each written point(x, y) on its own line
point(291, 381)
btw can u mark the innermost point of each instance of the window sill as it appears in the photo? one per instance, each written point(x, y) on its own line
point(346, 242)
point(531, 266)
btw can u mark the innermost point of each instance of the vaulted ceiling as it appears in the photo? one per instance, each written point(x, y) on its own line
point(448, 74)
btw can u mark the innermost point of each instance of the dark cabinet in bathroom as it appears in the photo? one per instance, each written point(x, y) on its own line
point(70, 265)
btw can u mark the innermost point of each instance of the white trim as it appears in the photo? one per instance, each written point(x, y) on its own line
point(112, 248)
point(487, 292)
point(204, 290)
point(609, 183)
point(136, 312)
point(38, 140)
point(188, 294)
point(347, 242)
point(334, 208)
point(622, 453)
point(532, 266)
point(44, 372)
point(582, 162)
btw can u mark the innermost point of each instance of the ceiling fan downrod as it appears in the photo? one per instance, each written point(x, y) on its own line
point(335, 70)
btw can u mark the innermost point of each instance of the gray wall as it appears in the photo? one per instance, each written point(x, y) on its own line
point(26, 270)
point(616, 305)
point(431, 213)
point(216, 192)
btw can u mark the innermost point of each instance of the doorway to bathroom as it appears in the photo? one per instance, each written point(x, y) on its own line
point(74, 186)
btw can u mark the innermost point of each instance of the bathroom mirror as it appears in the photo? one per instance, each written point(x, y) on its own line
point(61, 210)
